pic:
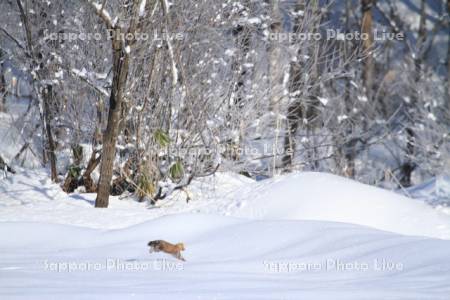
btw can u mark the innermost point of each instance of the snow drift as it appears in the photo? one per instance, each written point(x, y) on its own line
point(326, 197)
point(227, 258)
point(30, 196)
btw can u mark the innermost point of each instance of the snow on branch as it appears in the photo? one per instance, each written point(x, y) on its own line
point(102, 13)
point(142, 8)
point(83, 76)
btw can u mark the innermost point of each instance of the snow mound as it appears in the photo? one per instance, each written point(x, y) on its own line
point(227, 258)
point(326, 197)
point(30, 196)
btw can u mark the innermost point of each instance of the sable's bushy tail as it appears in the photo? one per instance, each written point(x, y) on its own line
point(180, 246)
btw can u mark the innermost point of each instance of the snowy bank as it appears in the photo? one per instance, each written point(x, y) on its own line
point(30, 196)
point(326, 197)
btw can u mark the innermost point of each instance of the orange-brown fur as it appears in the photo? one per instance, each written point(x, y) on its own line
point(160, 245)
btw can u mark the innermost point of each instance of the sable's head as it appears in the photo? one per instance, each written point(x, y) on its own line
point(180, 246)
point(152, 243)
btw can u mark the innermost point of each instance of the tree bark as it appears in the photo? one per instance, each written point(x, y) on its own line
point(304, 103)
point(47, 98)
point(312, 102)
point(294, 115)
point(242, 35)
point(366, 29)
point(448, 55)
point(348, 150)
point(275, 73)
point(2, 84)
point(345, 151)
point(295, 111)
point(120, 67)
point(408, 166)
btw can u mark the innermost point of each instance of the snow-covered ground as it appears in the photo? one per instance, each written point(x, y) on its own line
point(227, 258)
point(30, 196)
point(299, 236)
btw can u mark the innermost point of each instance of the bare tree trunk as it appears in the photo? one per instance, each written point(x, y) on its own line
point(312, 103)
point(295, 111)
point(304, 104)
point(348, 148)
point(242, 36)
point(121, 60)
point(47, 97)
point(344, 149)
point(120, 67)
point(448, 55)
point(366, 28)
point(294, 115)
point(275, 74)
point(45, 93)
point(408, 166)
point(2, 83)
point(98, 128)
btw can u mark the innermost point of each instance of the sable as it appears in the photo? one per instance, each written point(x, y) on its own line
point(160, 245)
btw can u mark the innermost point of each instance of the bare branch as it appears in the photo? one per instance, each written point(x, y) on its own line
point(102, 13)
point(12, 38)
